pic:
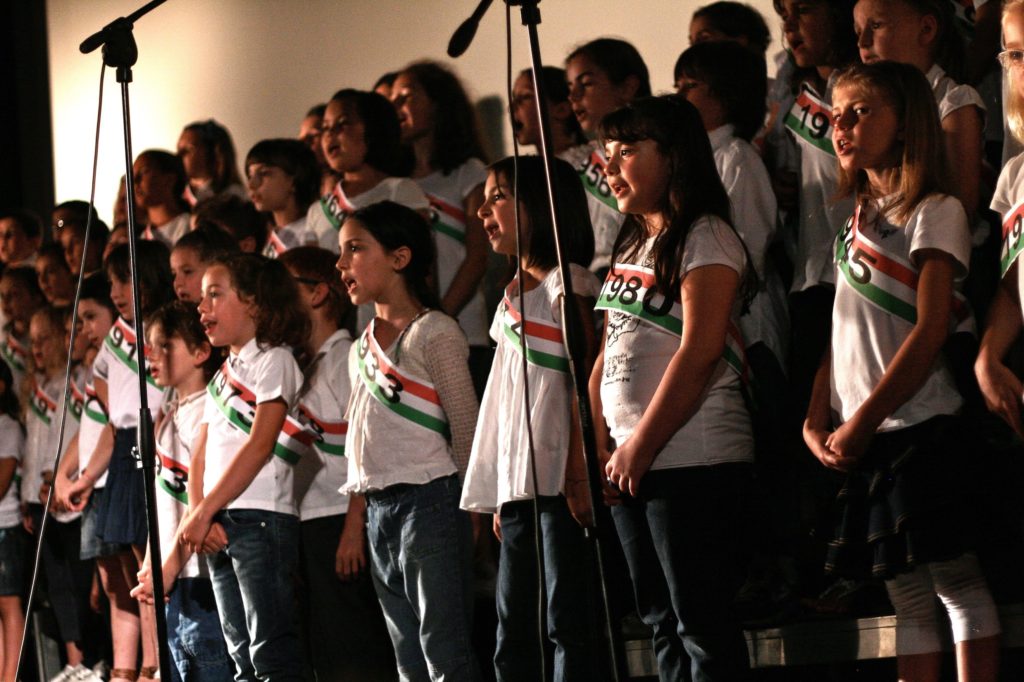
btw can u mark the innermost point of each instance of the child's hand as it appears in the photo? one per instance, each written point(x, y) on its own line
point(626, 467)
point(350, 558)
point(78, 493)
point(44, 492)
point(612, 495)
point(849, 443)
point(496, 526)
point(193, 530)
point(815, 438)
point(1002, 391)
point(216, 539)
point(577, 496)
point(143, 591)
point(28, 524)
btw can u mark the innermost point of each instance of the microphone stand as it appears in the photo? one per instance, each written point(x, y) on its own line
point(571, 323)
point(121, 53)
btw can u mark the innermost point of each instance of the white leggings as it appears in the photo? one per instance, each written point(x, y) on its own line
point(964, 594)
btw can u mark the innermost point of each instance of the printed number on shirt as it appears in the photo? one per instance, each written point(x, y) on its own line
point(595, 173)
point(117, 336)
point(628, 289)
point(819, 123)
point(858, 259)
point(372, 369)
point(225, 391)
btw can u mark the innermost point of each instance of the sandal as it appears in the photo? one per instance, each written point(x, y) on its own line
point(123, 674)
point(150, 672)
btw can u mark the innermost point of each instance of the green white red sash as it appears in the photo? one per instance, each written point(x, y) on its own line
point(886, 280)
point(121, 342)
point(1013, 238)
point(591, 172)
point(632, 289)
point(77, 402)
point(94, 410)
point(810, 119)
point(447, 219)
point(276, 246)
point(329, 436)
point(173, 475)
point(14, 353)
point(545, 346)
point(43, 406)
point(409, 397)
point(237, 403)
point(336, 206)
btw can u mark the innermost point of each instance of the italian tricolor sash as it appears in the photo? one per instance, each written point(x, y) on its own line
point(14, 353)
point(409, 397)
point(276, 246)
point(632, 289)
point(1013, 238)
point(591, 172)
point(237, 403)
point(77, 402)
point(42, 405)
point(448, 219)
point(94, 410)
point(336, 206)
point(173, 476)
point(121, 342)
point(810, 119)
point(329, 436)
point(544, 343)
point(886, 280)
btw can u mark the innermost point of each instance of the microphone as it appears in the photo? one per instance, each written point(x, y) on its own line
point(463, 35)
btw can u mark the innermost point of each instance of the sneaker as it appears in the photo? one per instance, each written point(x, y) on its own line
point(88, 675)
point(70, 673)
point(102, 671)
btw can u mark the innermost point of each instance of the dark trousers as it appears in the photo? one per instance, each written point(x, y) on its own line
point(347, 636)
point(683, 540)
point(569, 610)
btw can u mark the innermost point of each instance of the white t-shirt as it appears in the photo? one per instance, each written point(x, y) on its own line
point(170, 232)
point(255, 375)
point(876, 305)
point(325, 217)
point(754, 214)
point(319, 477)
point(820, 217)
point(90, 428)
point(12, 443)
point(499, 466)
point(447, 194)
point(402, 429)
point(42, 431)
point(589, 161)
point(1008, 202)
point(640, 345)
point(175, 438)
point(116, 365)
point(287, 237)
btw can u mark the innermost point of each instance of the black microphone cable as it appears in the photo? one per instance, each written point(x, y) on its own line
point(58, 455)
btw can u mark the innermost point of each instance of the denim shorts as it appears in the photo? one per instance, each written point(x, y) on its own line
point(12, 560)
point(92, 547)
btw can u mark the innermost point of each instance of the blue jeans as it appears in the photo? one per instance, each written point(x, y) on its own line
point(194, 635)
point(253, 581)
point(421, 548)
point(568, 583)
point(682, 537)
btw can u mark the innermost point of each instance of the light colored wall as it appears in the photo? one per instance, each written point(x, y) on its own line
point(257, 65)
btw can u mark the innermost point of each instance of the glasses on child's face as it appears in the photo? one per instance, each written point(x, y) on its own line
point(1011, 58)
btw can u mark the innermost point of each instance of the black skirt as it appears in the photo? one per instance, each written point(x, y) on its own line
point(910, 502)
point(121, 514)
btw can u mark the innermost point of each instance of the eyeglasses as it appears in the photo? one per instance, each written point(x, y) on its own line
point(1011, 58)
